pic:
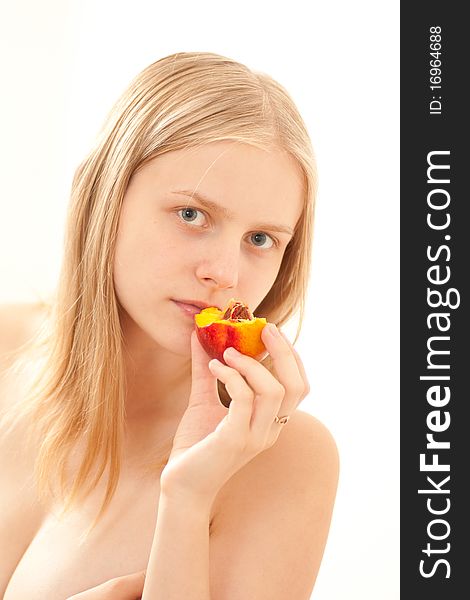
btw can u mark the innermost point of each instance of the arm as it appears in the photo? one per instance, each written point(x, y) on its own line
point(269, 535)
point(212, 445)
point(179, 559)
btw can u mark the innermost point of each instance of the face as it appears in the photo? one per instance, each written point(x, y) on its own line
point(172, 246)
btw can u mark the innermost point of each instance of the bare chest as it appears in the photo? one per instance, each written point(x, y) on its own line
point(60, 562)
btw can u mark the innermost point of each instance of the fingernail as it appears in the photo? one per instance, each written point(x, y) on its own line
point(231, 352)
point(214, 363)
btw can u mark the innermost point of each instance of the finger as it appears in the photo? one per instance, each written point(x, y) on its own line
point(203, 382)
point(286, 366)
point(240, 409)
point(300, 366)
point(133, 584)
point(129, 586)
point(269, 392)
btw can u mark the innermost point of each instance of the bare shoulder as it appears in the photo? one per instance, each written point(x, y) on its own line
point(305, 453)
point(18, 324)
point(308, 441)
point(272, 518)
point(20, 510)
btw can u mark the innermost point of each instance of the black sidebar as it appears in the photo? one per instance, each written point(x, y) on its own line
point(435, 273)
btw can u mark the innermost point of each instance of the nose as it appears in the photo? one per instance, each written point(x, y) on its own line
point(220, 266)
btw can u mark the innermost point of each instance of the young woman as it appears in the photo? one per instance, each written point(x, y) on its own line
point(135, 466)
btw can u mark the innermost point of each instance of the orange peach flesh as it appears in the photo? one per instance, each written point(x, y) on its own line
point(217, 334)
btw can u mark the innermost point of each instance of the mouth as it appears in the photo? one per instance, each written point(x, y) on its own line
point(191, 307)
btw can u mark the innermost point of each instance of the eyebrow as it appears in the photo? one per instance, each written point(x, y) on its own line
point(227, 213)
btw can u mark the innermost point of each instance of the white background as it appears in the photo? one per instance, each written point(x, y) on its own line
point(64, 63)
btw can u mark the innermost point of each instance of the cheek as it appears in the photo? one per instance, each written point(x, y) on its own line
point(123, 270)
point(132, 261)
point(269, 270)
point(144, 260)
point(257, 287)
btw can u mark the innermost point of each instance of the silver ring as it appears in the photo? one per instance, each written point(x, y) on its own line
point(282, 420)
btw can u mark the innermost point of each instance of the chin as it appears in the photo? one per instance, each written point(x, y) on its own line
point(175, 342)
point(158, 329)
point(173, 333)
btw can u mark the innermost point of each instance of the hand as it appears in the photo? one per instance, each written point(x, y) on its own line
point(128, 587)
point(212, 442)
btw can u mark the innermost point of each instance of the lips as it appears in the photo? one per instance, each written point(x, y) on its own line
point(197, 303)
point(189, 308)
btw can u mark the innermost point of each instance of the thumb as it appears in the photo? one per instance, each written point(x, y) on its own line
point(204, 383)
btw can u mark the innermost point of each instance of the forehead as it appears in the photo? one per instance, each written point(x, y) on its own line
point(235, 175)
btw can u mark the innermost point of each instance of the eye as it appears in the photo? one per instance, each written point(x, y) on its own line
point(263, 237)
point(189, 213)
point(189, 216)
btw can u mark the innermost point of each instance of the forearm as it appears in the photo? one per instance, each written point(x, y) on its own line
point(178, 566)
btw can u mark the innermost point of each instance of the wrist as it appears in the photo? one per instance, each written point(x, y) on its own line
point(186, 503)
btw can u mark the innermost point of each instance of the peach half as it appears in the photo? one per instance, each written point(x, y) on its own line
point(235, 326)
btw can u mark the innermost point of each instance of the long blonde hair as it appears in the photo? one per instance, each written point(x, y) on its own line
point(184, 100)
